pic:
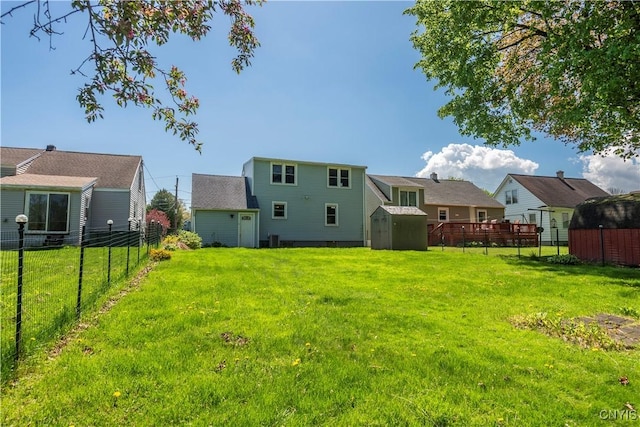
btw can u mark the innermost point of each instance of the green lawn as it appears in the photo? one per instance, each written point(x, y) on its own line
point(340, 337)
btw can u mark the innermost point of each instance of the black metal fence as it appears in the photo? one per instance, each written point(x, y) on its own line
point(46, 285)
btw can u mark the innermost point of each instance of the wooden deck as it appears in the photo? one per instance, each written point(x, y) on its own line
point(481, 234)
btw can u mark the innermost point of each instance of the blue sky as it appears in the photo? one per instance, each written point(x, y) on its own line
point(332, 82)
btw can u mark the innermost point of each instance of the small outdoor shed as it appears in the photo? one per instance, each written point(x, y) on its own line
point(607, 229)
point(399, 228)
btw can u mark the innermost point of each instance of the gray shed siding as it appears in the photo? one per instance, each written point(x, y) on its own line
point(398, 232)
point(109, 204)
point(306, 201)
point(216, 226)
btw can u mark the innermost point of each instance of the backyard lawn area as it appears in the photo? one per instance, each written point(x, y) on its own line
point(345, 337)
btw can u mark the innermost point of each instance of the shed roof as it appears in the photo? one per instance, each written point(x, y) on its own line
point(402, 210)
point(27, 180)
point(218, 192)
point(621, 211)
point(560, 192)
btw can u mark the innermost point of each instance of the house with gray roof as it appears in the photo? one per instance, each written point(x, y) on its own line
point(282, 203)
point(443, 200)
point(224, 211)
point(547, 201)
point(62, 191)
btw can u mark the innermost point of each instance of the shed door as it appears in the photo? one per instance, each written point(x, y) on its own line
point(247, 230)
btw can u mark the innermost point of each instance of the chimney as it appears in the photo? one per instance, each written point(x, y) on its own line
point(560, 174)
point(434, 176)
point(51, 147)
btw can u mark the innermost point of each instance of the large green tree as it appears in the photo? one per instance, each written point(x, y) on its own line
point(570, 69)
point(166, 202)
point(119, 61)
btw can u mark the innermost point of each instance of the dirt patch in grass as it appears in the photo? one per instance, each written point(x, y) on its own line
point(604, 331)
point(621, 329)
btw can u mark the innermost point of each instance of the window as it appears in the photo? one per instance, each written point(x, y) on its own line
point(408, 198)
point(532, 218)
point(337, 177)
point(283, 173)
point(279, 210)
point(511, 197)
point(331, 214)
point(482, 216)
point(48, 212)
point(443, 214)
point(565, 219)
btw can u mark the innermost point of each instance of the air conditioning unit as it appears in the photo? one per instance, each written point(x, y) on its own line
point(274, 241)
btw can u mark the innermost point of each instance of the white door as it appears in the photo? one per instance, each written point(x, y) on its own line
point(247, 230)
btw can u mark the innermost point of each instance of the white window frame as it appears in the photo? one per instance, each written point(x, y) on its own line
point(486, 215)
point(446, 210)
point(273, 210)
point(283, 174)
point(566, 219)
point(511, 197)
point(339, 171)
point(514, 196)
point(326, 215)
point(408, 201)
point(534, 217)
point(27, 208)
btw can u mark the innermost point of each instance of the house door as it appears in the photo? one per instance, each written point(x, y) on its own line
point(247, 230)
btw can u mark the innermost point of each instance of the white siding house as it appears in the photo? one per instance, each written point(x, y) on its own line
point(545, 201)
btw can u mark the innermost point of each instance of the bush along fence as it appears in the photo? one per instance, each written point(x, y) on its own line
point(45, 287)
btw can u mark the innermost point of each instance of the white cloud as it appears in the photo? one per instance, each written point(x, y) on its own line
point(484, 166)
point(609, 172)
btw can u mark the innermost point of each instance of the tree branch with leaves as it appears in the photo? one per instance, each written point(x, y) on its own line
point(570, 69)
point(120, 63)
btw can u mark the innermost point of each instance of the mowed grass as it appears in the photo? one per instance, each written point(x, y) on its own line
point(339, 337)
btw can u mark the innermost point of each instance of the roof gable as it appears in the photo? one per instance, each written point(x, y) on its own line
point(559, 192)
point(221, 192)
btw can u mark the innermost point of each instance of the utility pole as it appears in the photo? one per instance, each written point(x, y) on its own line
point(176, 215)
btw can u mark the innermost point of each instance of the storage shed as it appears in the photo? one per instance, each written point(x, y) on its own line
point(607, 229)
point(399, 228)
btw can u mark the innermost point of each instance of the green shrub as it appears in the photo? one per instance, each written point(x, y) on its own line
point(192, 240)
point(566, 259)
point(159, 254)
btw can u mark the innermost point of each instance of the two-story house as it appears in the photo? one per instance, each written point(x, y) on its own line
point(547, 201)
point(62, 191)
point(280, 202)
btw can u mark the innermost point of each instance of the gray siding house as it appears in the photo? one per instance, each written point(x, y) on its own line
point(61, 191)
point(547, 201)
point(293, 203)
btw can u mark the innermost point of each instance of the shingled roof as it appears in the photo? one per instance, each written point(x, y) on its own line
point(443, 192)
point(10, 156)
point(221, 192)
point(559, 192)
point(112, 170)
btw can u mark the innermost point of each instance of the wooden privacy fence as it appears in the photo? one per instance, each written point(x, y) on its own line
point(606, 245)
